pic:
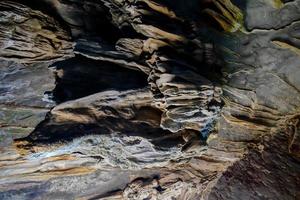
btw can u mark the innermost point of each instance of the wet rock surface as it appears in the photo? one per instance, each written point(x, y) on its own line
point(145, 99)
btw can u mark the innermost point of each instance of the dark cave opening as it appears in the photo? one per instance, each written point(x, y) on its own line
point(79, 77)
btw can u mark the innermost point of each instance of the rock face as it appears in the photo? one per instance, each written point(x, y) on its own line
point(29, 36)
point(122, 99)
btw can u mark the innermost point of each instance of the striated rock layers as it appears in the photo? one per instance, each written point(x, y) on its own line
point(29, 36)
point(146, 99)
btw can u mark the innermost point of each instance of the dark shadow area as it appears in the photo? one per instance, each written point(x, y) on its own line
point(79, 77)
point(242, 4)
point(50, 131)
point(205, 64)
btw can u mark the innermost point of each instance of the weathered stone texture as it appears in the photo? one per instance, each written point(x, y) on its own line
point(162, 99)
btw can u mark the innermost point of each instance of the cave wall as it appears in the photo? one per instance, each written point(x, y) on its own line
point(148, 99)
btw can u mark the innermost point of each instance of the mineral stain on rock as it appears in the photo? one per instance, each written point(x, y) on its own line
point(148, 99)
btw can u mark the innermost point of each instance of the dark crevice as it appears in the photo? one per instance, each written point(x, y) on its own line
point(79, 77)
point(49, 132)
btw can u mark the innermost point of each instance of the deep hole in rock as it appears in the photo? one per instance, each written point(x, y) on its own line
point(79, 77)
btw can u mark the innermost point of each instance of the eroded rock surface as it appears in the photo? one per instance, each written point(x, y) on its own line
point(163, 100)
point(29, 36)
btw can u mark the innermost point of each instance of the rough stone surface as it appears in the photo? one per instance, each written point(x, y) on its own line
point(162, 100)
point(29, 36)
